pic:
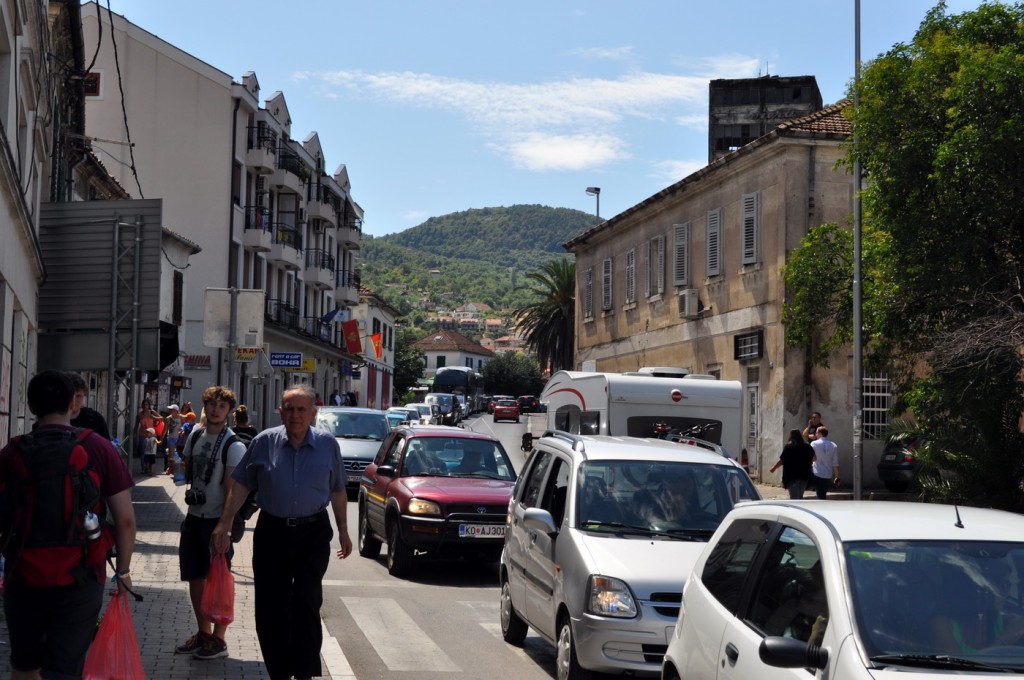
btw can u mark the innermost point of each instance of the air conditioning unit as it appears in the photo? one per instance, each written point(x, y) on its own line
point(689, 304)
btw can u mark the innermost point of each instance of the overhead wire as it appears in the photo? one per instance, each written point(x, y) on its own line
point(124, 110)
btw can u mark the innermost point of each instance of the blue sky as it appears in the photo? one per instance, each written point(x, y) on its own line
point(444, 105)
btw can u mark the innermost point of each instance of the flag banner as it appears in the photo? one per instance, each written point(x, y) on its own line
point(377, 339)
point(351, 333)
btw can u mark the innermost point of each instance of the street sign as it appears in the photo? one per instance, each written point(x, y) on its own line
point(246, 354)
point(308, 366)
point(248, 331)
point(286, 359)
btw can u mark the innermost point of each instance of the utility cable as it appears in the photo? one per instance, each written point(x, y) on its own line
point(124, 111)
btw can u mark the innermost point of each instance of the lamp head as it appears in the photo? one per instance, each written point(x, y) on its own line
point(594, 191)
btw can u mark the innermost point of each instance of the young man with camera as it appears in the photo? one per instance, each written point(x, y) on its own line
point(208, 470)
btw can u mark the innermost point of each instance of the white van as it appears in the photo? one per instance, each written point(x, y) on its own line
point(648, 403)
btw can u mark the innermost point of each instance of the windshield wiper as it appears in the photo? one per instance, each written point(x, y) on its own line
point(633, 529)
point(357, 436)
point(938, 661)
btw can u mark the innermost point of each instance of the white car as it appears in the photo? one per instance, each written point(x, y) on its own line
point(426, 418)
point(854, 590)
point(600, 533)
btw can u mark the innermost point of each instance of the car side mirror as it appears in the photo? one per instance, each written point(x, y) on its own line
point(782, 652)
point(386, 470)
point(540, 520)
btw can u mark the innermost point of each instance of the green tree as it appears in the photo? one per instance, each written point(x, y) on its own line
point(549, 321)
point(513, 373)
point(940, 138)
point(409, 362)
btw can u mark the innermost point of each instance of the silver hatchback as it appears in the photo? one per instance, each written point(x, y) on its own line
point(601, 530)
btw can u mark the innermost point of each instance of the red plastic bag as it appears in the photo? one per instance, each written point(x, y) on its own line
point(218, 603)
point(115, 649)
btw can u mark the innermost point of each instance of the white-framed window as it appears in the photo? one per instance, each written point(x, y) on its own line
point(876, 400)
point(631, 276)
point(681, 254)
point(588, 293)
point(654, 265)
point(713, 240)
point(751, 229)
point(606, 284)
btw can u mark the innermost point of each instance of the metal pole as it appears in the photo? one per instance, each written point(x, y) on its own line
point(232, 337)
point(858, 415)
point(112, 349)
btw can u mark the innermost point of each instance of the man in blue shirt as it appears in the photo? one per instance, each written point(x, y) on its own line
point(297, 470)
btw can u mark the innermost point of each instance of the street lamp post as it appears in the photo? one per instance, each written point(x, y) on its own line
point(596, 192)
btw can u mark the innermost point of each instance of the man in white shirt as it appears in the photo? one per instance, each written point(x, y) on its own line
point(826, 462)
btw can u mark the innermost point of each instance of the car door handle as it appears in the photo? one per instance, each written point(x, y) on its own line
point(732, 653)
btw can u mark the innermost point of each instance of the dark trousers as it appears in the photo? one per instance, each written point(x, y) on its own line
point(288, 565)
point(822, 485)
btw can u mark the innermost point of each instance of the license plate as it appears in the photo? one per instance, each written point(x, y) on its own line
point(889, 456)
point(481, 531)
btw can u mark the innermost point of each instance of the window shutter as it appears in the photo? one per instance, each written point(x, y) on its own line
point(588, 293)
point(648, 274)
point(606, 285)
point(631, 276)
point(714, 242)
point(681, 245)
point(751, 227)
point(659, 263)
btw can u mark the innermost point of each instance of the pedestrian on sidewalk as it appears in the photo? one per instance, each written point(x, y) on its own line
point(796, 460)
point(826, 462)
point(210, 473)
point(297, 470)
point(51, 627)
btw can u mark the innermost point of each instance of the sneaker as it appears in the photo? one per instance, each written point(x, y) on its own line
point(213, 648)
point(192, 644)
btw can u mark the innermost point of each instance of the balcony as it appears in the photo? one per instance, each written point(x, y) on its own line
point(350, 233)
point(318, 208)
point(285, 247)
point(316, 327)
point(282, 313)
point(319, 269)
point(257, 234)
point(261, 151)
point(346, 287)
point(291, 173)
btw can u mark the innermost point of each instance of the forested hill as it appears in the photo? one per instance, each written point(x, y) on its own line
point(477, 255)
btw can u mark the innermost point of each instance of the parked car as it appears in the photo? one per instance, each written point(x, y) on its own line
point(506, 409)
point(359, 432)
point(424, 410)
point(435, 492)
point(599, 529)
point(528, 404)
point(843, 590)
point(898, 465)
point(495, 399)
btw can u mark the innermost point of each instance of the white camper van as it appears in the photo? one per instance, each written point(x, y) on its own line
point(645, 404)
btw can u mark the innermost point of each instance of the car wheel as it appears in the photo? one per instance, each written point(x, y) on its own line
point(495, 418)
point(399, 554)
point(897, 486)
point(517, 420)
point(369, 545)
point(513, 628)
point(567, 666)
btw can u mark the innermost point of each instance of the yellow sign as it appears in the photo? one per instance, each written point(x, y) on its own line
point(246, 354)
point(308, 366)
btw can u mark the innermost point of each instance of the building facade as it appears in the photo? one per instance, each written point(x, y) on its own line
point(691, 278)
point(450, 348)
point(260, 204)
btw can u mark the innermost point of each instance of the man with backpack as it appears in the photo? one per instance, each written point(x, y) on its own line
point(55, 483)
point(210, 454)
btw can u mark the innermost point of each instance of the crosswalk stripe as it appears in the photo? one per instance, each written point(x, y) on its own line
point(383, 622)
point(337, 665)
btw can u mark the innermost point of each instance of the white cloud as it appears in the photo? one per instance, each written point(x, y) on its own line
point(573, 123)
point(615, 53)
point(671, 171)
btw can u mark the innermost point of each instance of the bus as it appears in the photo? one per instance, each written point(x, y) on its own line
point(460, 380)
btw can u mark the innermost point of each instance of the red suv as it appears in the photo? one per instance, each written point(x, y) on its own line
point(435, 492)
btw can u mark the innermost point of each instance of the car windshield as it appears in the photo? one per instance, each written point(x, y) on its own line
point(661, 497)
point(353, 425)
point(506, 402)
point(456, 457)
point(920, 603)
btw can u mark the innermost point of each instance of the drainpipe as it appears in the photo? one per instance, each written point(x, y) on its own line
point(231, 241)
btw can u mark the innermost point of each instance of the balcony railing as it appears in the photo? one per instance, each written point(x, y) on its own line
point(287, 235)
point(289, 161)
point(346, 278)
point(318, 328)
point(283, 313)
point(262, 137)
point(319, 258)
point(257, 217)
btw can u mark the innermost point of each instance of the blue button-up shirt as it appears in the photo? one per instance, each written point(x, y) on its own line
point(292, 482)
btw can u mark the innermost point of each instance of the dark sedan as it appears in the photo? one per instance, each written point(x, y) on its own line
point(898, 465)
point(435, 492)
point(528, 404)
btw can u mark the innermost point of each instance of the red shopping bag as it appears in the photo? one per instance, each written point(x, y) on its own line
point(218, 603)
point(115, 649)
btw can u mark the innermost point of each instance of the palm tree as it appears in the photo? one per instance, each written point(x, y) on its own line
point(549, 323)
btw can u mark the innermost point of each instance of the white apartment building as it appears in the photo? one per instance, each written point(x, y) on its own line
point(373, 378)
point(259, 204)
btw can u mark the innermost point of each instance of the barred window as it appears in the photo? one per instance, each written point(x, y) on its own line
point(876, 400)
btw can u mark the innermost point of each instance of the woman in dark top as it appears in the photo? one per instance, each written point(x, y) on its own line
point(795, 459)
point(242, 426)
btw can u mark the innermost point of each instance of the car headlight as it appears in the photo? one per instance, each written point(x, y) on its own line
point(418, 506)
point(610, 597)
